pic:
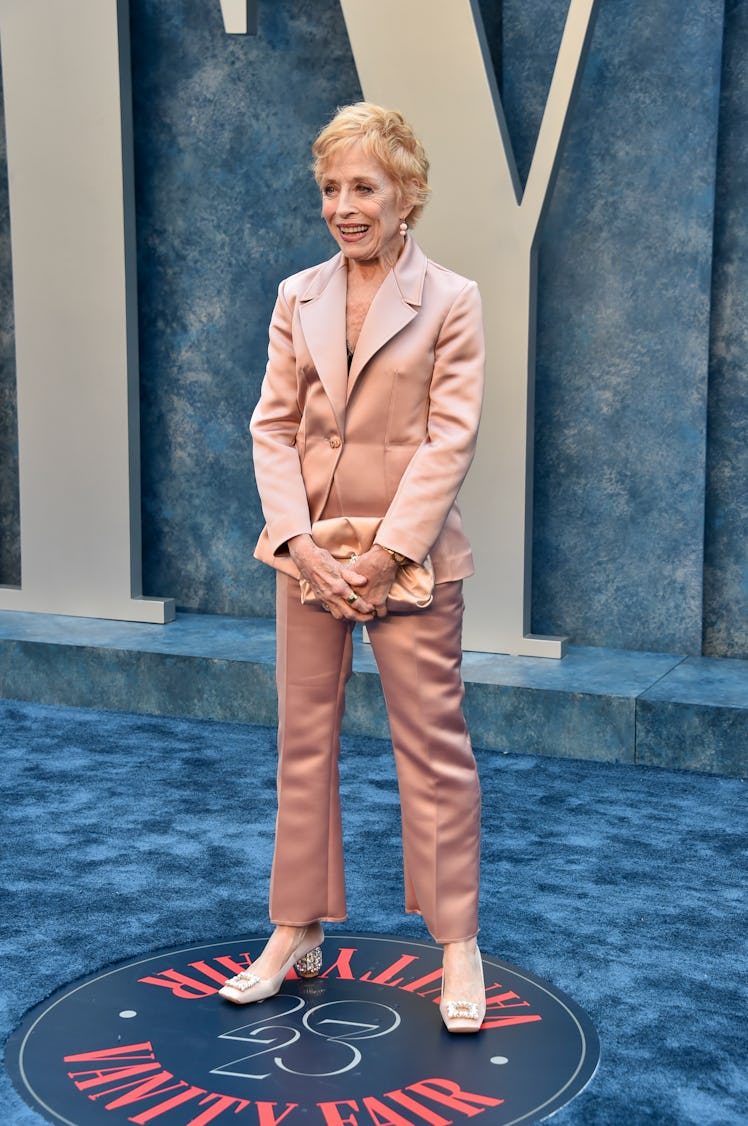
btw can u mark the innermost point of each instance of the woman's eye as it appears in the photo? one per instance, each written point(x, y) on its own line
point(328, 189)
point(364, 188)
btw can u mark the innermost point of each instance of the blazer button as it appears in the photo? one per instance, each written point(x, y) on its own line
point(335, 442)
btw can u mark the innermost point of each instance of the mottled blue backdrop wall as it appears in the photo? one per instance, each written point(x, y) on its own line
point(641, 513)
point(623, 320)
point(226, 207)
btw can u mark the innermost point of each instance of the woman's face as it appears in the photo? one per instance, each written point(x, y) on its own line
point(362, 207)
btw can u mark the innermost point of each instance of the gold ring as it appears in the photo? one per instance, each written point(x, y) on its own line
point(351, 599)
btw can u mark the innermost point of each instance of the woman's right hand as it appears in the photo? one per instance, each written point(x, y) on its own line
point(333, 583)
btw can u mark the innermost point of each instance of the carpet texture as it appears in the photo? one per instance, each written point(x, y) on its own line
point(623, 886)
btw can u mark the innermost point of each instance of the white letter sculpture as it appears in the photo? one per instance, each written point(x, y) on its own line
point(428, 58)
point(237, 18)
point(66, 78)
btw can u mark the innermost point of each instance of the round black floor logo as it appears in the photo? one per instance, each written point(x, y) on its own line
point(363, 1044)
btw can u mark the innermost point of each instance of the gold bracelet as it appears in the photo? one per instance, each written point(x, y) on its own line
point(401, 560)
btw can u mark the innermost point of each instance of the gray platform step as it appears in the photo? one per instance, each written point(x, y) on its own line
point(610, 705)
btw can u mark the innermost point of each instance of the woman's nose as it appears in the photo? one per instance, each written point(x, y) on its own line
point(345, 202)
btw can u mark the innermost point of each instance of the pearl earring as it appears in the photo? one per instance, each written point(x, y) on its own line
point(403, 228)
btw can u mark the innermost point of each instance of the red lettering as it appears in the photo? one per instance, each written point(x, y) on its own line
point(210, 971)
point(266, 1115)
point(138, 1091)
point(221, 975)
point(136, 1052)
point(343, 968)
point(181, 986)
point(110, 1075)
point(500, 1002)
point(505, 1022)
point(445, 1091)
point(164, 1108)
point(148, 1087)
point(385, 977)
point(231, 965)
point(417, 1108)
point(383, 1116)
point(415, 986)
point(333, 1116)
point(222, 1102)
point(506, 1000)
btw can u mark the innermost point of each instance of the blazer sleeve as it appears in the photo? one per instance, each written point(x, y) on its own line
point(274, 428)
point(428, 488)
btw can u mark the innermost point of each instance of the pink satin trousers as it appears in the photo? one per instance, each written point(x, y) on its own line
point(419, 660)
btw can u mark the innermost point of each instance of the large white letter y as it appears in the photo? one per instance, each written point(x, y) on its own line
point(428, 59)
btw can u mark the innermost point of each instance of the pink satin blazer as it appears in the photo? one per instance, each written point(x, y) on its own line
point(394, 437)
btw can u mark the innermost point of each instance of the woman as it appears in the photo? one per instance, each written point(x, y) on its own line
point(369, 408)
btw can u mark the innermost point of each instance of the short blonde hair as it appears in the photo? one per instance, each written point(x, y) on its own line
point(384, 135)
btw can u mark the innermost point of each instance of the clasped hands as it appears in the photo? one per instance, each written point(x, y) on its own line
point(335, 584)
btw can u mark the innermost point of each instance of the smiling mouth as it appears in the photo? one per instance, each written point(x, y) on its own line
point(353, 229)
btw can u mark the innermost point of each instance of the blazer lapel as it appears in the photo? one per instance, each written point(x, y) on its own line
point(322, 317)
point(395, 305)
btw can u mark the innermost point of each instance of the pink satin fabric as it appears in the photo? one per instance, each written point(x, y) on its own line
point(419, 657)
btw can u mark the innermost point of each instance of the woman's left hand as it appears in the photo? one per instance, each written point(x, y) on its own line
point(380, 570)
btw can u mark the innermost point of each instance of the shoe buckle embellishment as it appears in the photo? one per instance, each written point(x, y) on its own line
point(462, 1010)
point(244, 980)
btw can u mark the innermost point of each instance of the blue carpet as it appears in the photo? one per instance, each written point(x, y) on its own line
point(621, 885)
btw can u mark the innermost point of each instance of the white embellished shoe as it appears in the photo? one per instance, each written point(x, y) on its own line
point(306, 959)
point(463, 1015)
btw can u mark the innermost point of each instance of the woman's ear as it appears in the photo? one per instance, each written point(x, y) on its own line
point(408, 198)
